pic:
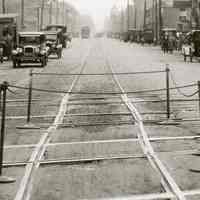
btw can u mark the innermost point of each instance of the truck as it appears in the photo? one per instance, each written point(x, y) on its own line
point(85, 32)
point(8, 34)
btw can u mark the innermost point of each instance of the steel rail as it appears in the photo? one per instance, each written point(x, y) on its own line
point(169, 182)
point(79, 161)
point(85, 115)
point(152, 139)
point(25, 187)
point(152, 196)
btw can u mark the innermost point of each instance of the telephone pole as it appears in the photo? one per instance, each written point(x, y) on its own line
point(50, 12)
point(145, 8)
point(22, 13)
point(3, 6)
point(57, 11)
point(160, 17)
point(42, 15)
point(128, 15)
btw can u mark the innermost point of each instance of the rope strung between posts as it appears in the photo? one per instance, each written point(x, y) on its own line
point(178, 89)
point(100, 93)
point(15, 93)
point(100, 74)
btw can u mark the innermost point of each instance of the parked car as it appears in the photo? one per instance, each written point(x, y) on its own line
point(191, 45)
point(54, 43)
point(8, 34)
point(63, 31)
point(31, 48)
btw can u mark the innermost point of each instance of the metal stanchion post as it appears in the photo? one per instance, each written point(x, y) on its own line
point(3, 179)
point(198, 83)
point(168, 110)
point(30, 97)
point(168, 92)
point(28, 124)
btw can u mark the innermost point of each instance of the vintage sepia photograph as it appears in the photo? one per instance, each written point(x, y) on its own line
point(99, 99)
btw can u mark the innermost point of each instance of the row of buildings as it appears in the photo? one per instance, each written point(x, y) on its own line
point(154, 15)
point(36, 14)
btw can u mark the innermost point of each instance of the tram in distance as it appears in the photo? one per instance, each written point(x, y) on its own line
point(85, 32)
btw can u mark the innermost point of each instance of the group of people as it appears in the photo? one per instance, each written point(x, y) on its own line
point(171, 42)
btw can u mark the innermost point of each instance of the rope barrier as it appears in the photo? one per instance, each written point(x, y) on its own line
point(100, 93)
point(100, 74)
point(178, 89)
point(15, 93)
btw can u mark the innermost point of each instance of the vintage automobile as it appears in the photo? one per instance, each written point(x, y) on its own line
point(85, 32)
point(8, 34)
point(31, 48)
point(62, 29)
point(191, 45)
point(54, 43)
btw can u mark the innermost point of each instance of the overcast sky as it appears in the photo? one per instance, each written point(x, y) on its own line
point(98, 9)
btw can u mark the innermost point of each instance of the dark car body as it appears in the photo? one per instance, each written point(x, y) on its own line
point(8, 34)
point(31, 48)
point(54, 43)
point(85, 32)
point(63, 30)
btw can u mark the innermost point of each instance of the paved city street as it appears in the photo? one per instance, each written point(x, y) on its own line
point(94, 152)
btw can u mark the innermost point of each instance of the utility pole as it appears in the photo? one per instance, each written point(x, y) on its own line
point(156, 20)
point(63, 17)
point(38, 18)
point(3, 6)
point(145, 8)
point(42, 15)
point(50, 12)
point(57, 11)
point(160, 17)
point(128, 15)
point(22, 13)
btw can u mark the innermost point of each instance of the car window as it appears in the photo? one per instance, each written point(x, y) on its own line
point(29, 40)
point(51, 37)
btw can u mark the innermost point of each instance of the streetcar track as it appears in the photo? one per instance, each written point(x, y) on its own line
point(25, 187)
point(167, 181)
point(143, 141)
